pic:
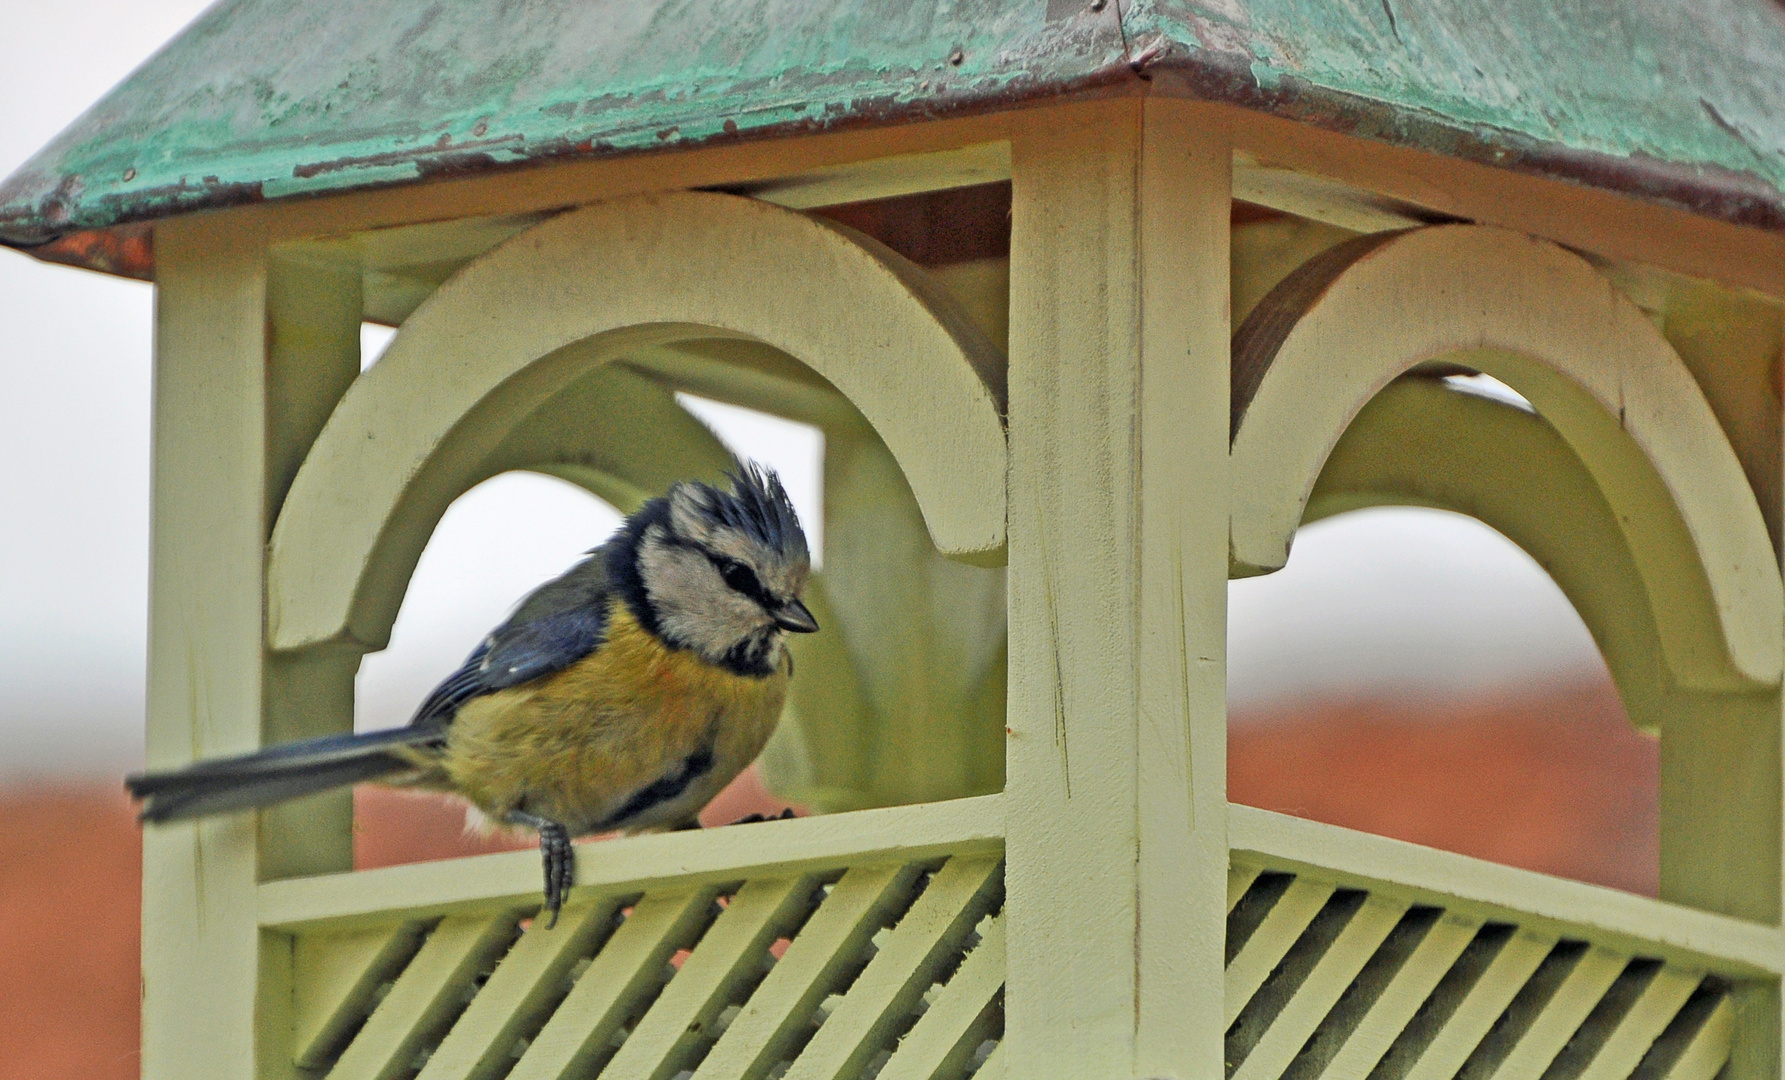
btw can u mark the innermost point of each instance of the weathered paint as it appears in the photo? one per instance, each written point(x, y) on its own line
point(264, 100)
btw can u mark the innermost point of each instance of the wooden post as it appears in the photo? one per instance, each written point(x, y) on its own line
point(200, 935)
point(249, 359)
point(1118, 568)
point(1722, 791)
point(1722, 800)
point(313, 322)
point(1720, 838)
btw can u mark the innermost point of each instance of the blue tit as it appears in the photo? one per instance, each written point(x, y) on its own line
point(621, 696)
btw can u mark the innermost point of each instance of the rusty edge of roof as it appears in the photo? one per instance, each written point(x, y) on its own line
point(126, 249)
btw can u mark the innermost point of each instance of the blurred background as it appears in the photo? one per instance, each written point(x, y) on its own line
point(1403, 644)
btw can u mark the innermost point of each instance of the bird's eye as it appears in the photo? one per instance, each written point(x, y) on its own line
point(741, 578)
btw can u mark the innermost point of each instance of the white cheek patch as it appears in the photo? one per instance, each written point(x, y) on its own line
point(694, 606)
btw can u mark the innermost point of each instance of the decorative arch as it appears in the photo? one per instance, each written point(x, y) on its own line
point(1421, 442)
point(511, 331)
point(1541, 319)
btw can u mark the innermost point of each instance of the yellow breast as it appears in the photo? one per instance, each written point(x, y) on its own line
point(575, 745)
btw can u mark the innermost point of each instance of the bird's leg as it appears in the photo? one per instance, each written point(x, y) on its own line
point(558, 855)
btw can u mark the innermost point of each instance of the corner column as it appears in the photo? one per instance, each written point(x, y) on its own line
point(314, 311)
point(1116, 763)
point(239, 395)
point(1722, 795)
point(200, 936)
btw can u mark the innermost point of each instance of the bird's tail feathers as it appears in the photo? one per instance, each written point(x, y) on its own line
point(273, 775)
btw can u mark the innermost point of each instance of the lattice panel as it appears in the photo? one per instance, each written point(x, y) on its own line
point(1329, 983)
point(881, 972)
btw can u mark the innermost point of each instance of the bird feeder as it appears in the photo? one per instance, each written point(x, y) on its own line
point(1095, 303)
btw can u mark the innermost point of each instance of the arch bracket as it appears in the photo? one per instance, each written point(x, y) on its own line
point(1541, 319)
point(522, 322)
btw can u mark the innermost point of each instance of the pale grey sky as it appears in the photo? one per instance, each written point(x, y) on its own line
point(1383, 602)
point(74, 432)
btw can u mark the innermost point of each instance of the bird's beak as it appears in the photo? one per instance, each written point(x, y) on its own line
point(794, 616)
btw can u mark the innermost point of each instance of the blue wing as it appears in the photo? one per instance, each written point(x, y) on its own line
point(557, 624)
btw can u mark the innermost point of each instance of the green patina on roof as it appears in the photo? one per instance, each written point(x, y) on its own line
point(1679, 101)
point(265, 100)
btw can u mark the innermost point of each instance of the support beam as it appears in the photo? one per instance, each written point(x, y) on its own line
point(201, 944)
point(1182, 623)
point(1723, 756)
point(313, 322)
point(1118, 527)
point(252, 353)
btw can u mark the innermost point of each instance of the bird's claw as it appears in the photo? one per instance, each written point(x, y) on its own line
point(786, 814)
point(559, 858)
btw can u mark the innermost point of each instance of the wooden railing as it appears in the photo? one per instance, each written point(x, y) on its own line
point(1353, 956)
point(871, 945)
point(840, 947)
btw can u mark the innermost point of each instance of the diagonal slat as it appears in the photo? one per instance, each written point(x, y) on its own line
point(728, 954)
point(481, 1042)
point(952, 1028)
point(828, 945)
point(1347, 955)
point(1294, 910)
point(993, 1068)
point(909, 959)
point(424, 996)
point(628, 967)
point(333, 978)
point(1401, 998)
point(1239, 879)
point(1585, 983)
point(1647, 1018)
point(1482, 1005)
point(1707, 1053)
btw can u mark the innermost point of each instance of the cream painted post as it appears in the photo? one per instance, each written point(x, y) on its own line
point(1118, 568)
point(251, 354)
point(1723, 757)
point(200, 934)
point(313, 321)
point(1722, 796)
point(1185, 249)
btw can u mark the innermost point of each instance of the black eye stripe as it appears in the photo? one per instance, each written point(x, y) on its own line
point(741, 578)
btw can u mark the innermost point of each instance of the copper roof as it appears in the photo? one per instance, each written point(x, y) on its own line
point(262, 100)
